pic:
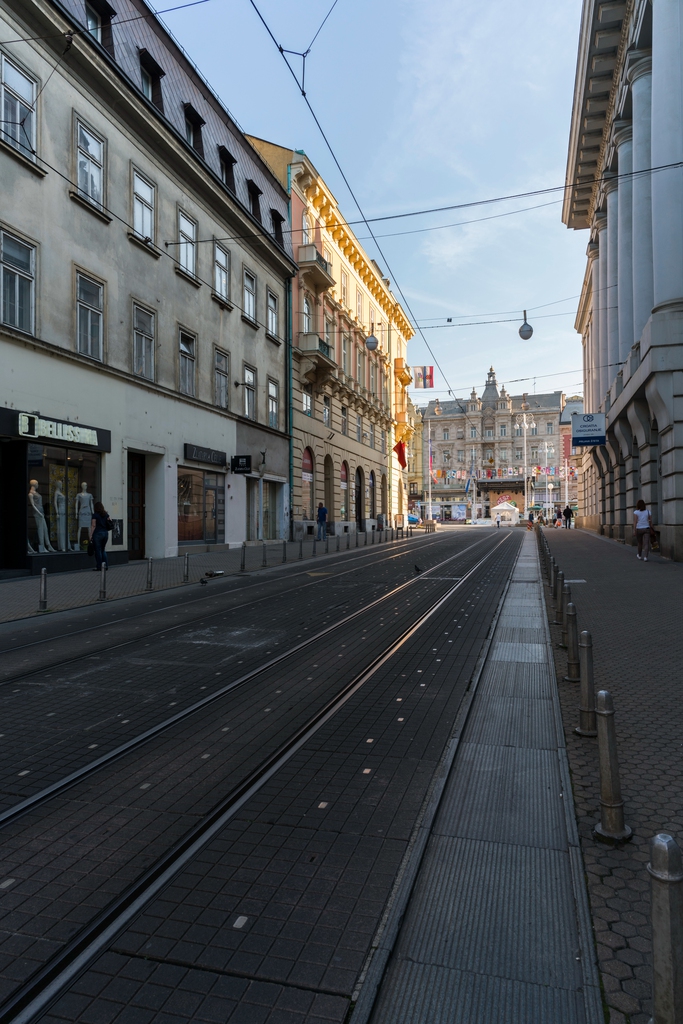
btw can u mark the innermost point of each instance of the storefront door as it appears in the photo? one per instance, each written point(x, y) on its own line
point(136, 505)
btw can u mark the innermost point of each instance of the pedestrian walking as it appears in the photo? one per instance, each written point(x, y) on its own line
point(322, 521)
point(530, 522)
point(568, 516)
point(642, 524)
point(498, 519)
point(100, 526)
point(558, 518)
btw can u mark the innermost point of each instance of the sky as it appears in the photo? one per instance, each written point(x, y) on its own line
point(429, 104)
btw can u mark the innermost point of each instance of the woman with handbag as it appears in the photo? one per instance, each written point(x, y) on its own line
point(642, 524)
point(99, 534)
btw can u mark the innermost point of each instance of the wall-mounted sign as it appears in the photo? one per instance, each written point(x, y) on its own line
point(240, 464)
point(198, 454)
point(29, 425)
point(588, 428)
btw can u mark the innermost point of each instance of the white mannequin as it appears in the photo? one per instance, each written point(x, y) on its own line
point(35, 501)
point(59, 504)
point(85, 509)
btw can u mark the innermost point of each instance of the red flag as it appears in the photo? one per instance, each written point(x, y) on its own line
point(400, 450)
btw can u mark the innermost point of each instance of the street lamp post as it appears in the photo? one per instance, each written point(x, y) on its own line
point(525, 420)
point(548, 451)
point(550, 501)
point(437, 412)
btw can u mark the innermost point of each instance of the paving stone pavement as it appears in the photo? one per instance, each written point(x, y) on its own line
point(635, 615)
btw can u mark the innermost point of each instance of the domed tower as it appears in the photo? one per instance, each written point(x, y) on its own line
point(490, 396)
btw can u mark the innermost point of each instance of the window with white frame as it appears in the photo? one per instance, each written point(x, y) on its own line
point(359, 367)
point(446, 458)
point(373, 377)
point(503, 454)
point(446, 434)
point(221, 379)
point(359, 427)
point(518, 453)
point(90, 158)
point(518, 431)
point(188, 349)
point(534, 430)
point(249, 393)
point(249, 295)
point(383, 444)
point(187, 248)
point(143, 207)
point(344, 288)
point(18, 116)
point(503, 430)
point(489, 432)
point(146, 82)
point(346, 344)
point(534, 452)
point(327, 411)
point(359, 304)
point(549, 427)
point(473, 431)
point(473, 454)
point(89, 316)
point(17, 284)
point(328, 332)
point(307, 400)
point(489, 454)
point(328, 259)
point(344, 420)
point(307, 319)
point(272, 315)
point(221, 271)
point(372, 435)
point(143, 342)
point(273, 400)
point(305, 229)
point(461, 455)
point(93, 22)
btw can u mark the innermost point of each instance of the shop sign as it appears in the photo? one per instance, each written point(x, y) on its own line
point(197, 454)
point(588, 429)
point(56, 430)
point(240, 464)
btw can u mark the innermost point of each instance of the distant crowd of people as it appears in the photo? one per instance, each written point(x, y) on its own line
point(556, 519)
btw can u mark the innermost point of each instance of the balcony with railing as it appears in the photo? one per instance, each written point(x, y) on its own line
point(315, 267)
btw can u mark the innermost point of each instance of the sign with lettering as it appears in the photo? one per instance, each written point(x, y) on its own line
point(198, 454)
point(30, 425)
point(588, 428)
point(240, 464)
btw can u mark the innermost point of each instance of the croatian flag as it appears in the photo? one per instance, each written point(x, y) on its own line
point(423, 376)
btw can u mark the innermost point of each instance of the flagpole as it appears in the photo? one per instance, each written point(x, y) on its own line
point(429, 422)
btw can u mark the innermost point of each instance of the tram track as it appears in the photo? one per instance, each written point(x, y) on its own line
point(46, 985)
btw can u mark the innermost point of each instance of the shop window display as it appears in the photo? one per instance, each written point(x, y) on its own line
point(201, 506)
point(64, 484)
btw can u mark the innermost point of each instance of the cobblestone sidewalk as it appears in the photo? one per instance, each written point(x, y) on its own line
point(634, 613)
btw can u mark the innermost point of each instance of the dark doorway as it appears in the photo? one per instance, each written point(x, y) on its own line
point(136, 506)
point(360, 500)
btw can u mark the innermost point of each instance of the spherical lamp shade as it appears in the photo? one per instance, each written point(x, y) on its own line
point(437, 408)
point(371, 343)
point(526, 330)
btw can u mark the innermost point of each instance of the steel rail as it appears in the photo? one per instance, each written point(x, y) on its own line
point(48, 983)
point(59, 787)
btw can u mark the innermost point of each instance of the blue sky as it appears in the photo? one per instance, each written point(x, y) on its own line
point(430, 104)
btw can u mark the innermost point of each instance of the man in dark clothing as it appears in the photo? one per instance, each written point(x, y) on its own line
point(322, 521)
point(568, 515)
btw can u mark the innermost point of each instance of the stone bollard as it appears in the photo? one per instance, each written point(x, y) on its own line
point(103, 582)
point(243, 562)
point(666, 887)
point(149, 574)
point(42, 599)
point(573, 668)
point(264, 560)
point(284, 551)
point(611, 827)
point(586, 725)
point(301, 547)
point(566, 601)
point(186, 567)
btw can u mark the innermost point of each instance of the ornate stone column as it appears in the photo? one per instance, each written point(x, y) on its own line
point(640, 77)
point(592, 374)
point(612, 293)
point(623, 138)
point(601, 294)
point(667, 147)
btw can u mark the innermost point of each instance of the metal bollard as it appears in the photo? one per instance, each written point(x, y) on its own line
point(372, 534)
point(284, 551)
point(186, 567)
point(315, 541)
point(666, 887)
point(301, 547)
point(366, 538)
point(264, 561)
point(348, 541)
point(611, 827)
point(586, 725)
point(149, 574)
point(42, 600)
point(338, 542)
point(566, 600)
point(327, 545)
point(557, 598)
point(356, 537)
point(103, 582)
point(551, 574)
point(573, 667)
point(243, 563)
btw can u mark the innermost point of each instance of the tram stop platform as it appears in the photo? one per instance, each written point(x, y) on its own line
point(497, 927)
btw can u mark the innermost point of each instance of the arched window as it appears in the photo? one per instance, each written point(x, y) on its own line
point(344, 488)
point(307, 489)
point(307, 318)
point(373, 506)
point(305, 230)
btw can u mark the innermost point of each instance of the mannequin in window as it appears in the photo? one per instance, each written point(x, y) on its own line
point(85, 508)
point(35, 501)
point(59, 505)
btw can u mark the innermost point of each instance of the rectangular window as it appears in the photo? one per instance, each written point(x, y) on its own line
point(372, 435)
point(273, 414)
point(359, 304)
point(346, 344)
point(473, 454)
point(503, 454)
point(518, 453)
point(328, 259)
point(227, 167)
point(473, 431)
point(143, 207)
point(549, 428)
point(221, 271)
point(272, 314)
point(255, 194)
point(344, 420)
point(489, 432)
point(518, 431)
point(373, 378)
point(18, 117)
point(446, 434)
point(277, 220)
point(150, 79)
point(503, 430)
point(534, 453)
point(249, 298)
point(90, 165)
point(344, 288)
point(327, 412)
point(359, 428)
point(187, 249)
point(249, 393)
point(89, 313)
point(194, 123)
point(307, 400)
point(187, 360)
point(18, 275)
point(93, 22)
point(328, 333)
point(146, 82)
point(221, 379)
point(534, 430)
point(461, 455)
point(384, 442)
point(143, 343)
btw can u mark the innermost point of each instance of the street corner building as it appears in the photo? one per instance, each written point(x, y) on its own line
point(145, 281)
point(625, 187)
point(351, 420)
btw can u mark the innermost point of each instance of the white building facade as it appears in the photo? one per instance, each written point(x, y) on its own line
point(145, 280)
point(624, 169)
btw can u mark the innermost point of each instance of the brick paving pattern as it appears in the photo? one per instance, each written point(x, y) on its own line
point(635, 615)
